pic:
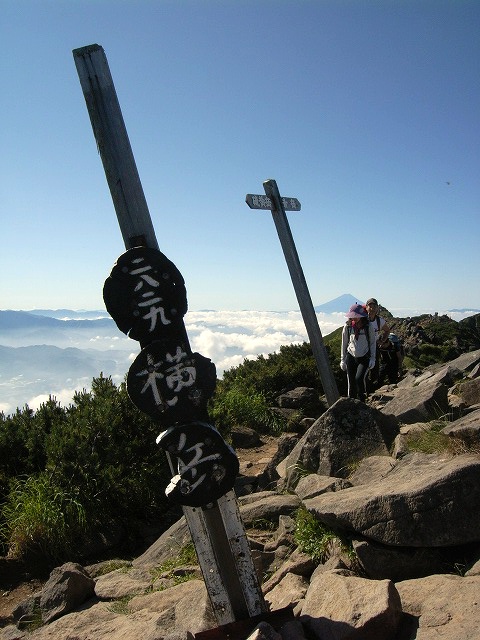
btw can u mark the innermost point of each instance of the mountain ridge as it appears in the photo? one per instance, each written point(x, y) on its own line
point(339, 304)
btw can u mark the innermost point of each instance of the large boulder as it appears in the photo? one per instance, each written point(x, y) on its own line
point(425, 501)
point(346, 607)
point(422, 402)
point(446, 606)
point(337, 441)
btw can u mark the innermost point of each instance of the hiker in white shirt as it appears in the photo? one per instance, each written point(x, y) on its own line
point(358, 351)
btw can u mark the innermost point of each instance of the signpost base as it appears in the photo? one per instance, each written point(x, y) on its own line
point(242, 628)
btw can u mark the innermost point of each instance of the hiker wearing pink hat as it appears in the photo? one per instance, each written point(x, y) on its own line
point(358, 350)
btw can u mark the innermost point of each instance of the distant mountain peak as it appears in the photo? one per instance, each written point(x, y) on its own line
point(337, 305)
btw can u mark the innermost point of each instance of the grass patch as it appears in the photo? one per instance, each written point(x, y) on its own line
point(113, 565)
point(430, 440)
point(35, 621)
point(316, 539)
point(121, 606)
point(262, 524)
point(168, 569)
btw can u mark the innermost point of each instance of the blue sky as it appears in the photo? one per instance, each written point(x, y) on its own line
point(366, 111)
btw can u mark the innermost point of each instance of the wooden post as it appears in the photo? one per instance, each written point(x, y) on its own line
point(217, 530)
point(277, 205)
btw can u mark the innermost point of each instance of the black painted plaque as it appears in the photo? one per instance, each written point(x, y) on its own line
point(171, 384)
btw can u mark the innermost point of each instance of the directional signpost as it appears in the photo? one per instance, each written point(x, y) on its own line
point(278, 205)
point(145, 294)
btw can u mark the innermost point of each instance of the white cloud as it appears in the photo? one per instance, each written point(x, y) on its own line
point(6, 408)
point(63, 397)
point(229, 337)
point(226, 337)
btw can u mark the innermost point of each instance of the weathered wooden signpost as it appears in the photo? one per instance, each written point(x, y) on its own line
point(145, 294)
point(278, 205)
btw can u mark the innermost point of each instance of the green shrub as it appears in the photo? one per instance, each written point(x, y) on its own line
point(239, 407)
point(246, 392)
point(101, 448)
point(292, 366)
point(428, 354)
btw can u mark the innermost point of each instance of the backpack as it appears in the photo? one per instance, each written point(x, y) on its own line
point(366, 329)
point(395, 340)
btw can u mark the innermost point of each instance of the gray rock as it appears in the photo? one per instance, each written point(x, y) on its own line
point(466, 428)
point(264, 631)
point(349, 422)
point(297, 563)
point(269, 508)
point(167, 545)
point(425, 501)
point(299, 398)
point(67, 588)
point(467, 361)
point(314, 485)
point(419, 403)
point(474, 570)
point(255, 497)
point(351, 608)
point(122, 583)
point(447, 606)
point(372, 469)
point(448, 374)
point(27, 608)
point(283, 535)
point(381, 562)
point(11, 632)
point(270, 475)
point(184, 607)
point(468, 391)
point(288, 592)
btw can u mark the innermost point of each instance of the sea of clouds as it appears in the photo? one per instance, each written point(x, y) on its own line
point(226, 337)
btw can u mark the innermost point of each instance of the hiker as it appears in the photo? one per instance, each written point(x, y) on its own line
point(358, 350)
point(381, 329)
point(391, 356)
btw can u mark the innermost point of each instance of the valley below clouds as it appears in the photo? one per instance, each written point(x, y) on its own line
point(59, 353)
